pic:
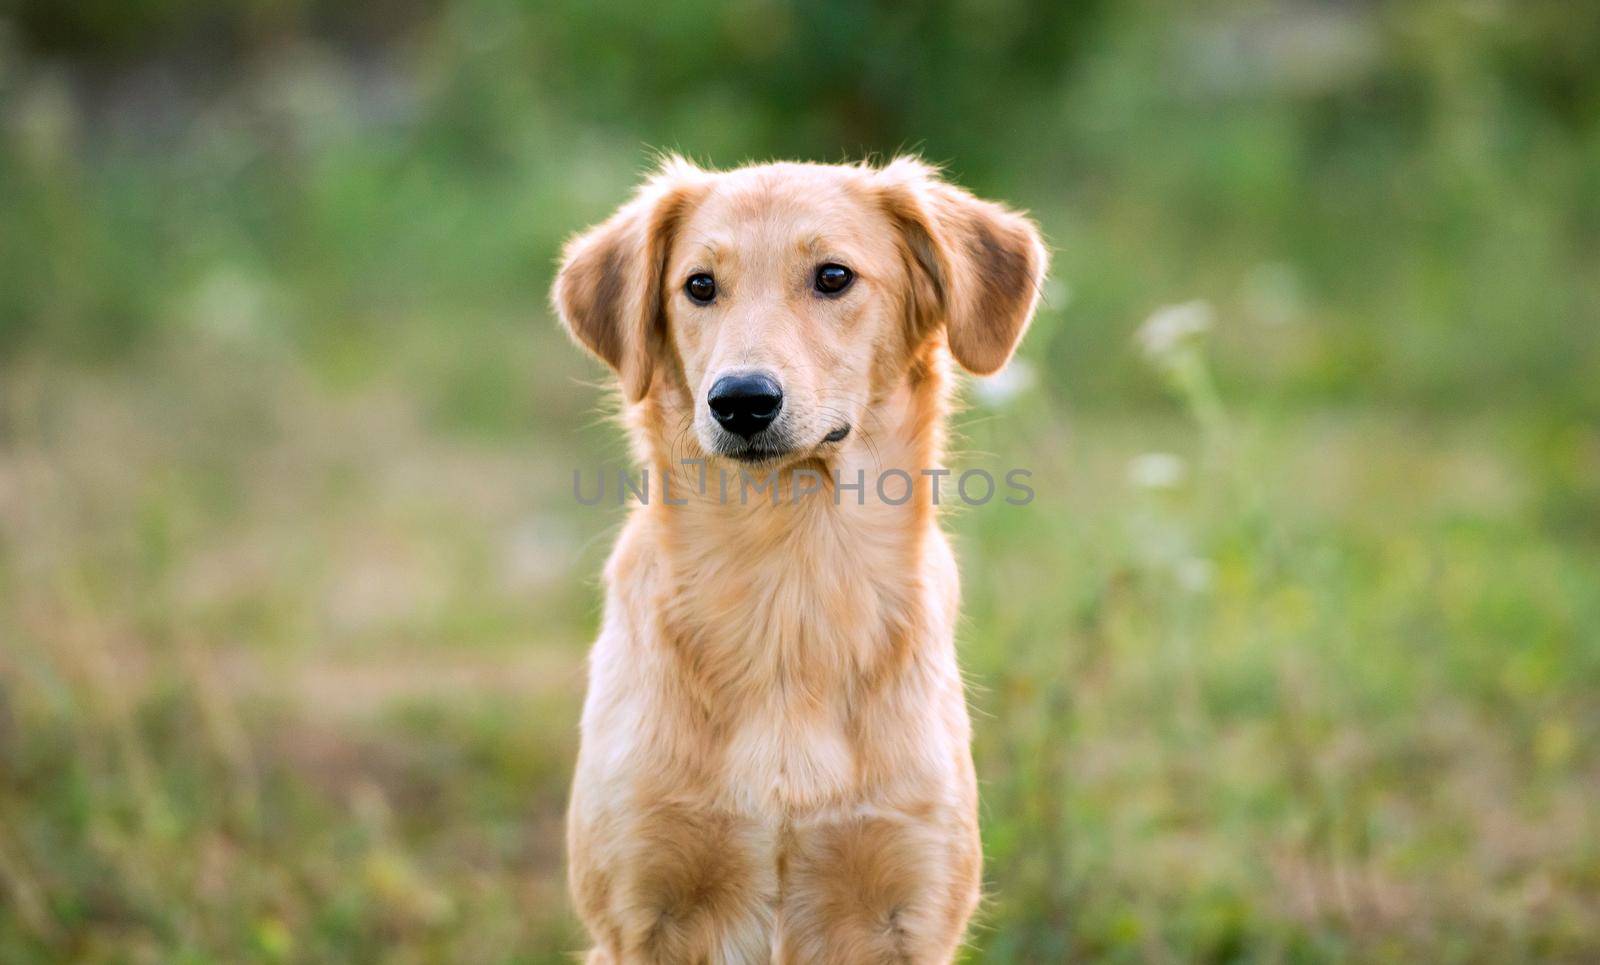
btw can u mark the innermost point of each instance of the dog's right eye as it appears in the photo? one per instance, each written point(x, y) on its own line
point(701, 288)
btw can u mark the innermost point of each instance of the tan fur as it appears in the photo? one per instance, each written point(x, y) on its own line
point(775, 759)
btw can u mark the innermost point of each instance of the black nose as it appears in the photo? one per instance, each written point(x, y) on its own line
point(745, 404)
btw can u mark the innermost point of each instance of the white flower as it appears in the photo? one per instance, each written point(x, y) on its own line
point(232, 303)
point(1056, 296)
point(1172, 326)
point(1157, 471)
point(1003, 386)
point(1195, 574)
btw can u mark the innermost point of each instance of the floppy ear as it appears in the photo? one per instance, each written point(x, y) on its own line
point(608, 291)
point(981, 265)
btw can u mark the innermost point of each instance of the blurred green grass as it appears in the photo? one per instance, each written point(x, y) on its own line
point(294, 596)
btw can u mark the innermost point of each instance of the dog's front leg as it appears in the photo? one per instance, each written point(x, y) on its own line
point(687, 884)
point(880, 887)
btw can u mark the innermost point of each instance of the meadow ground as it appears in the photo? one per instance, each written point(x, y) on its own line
point(293, 674)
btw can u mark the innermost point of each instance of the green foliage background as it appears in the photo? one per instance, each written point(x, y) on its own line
point(294, 597)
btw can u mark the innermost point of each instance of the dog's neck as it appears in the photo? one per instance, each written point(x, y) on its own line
point(805, 593)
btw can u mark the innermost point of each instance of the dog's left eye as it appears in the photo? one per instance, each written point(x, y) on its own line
point(702, 288)
point(833, 279)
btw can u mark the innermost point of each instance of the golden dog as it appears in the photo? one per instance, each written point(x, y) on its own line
point(775, 760)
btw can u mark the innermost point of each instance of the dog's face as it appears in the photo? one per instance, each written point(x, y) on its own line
point(785, 285)
point(771, 306)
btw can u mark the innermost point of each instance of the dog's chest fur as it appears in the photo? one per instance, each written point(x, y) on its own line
point(790, 628)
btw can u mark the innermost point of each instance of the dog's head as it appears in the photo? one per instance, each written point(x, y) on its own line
point(770, 306)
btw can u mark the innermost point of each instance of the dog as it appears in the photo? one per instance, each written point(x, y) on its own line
point(775, 759)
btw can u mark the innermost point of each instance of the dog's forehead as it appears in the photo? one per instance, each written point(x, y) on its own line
point(785, 205)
